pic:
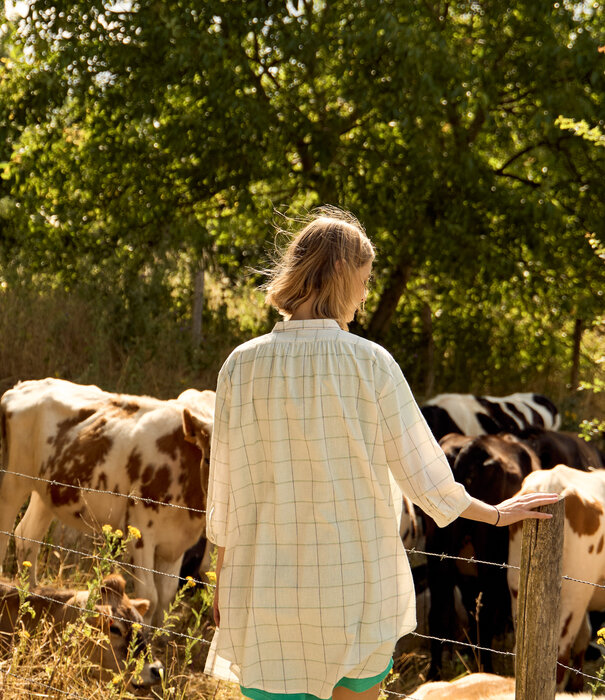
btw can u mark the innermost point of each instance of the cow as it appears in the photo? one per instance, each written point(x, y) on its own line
point(562, 447)
point(479, 686)
point(492, 468)
point(479, 415)
point(583, 558)
point(119, 617)
point(145, 460)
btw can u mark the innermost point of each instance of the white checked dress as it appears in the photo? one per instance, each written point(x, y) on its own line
point(313, 427)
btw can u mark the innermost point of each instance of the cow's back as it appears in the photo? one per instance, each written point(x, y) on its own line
point(475, 415)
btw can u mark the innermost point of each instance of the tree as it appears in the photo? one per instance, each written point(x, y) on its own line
point(148, 131)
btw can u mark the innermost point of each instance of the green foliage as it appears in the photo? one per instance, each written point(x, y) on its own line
point(466, 135)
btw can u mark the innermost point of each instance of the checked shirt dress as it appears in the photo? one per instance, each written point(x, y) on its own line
point(316, 434)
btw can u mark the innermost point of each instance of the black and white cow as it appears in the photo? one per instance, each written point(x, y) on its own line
point(479, 415)
point(492, 468)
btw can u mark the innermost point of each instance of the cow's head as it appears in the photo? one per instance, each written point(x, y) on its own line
point(124, 638)
point(451, 444)
point(492, 467)
point(197, 429)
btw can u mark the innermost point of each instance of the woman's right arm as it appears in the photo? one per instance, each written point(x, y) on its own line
point(220, 555)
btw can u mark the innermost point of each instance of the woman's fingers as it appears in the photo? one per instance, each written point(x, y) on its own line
point(522, 506)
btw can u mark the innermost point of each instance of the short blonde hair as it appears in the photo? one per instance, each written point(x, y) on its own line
point(321, 259)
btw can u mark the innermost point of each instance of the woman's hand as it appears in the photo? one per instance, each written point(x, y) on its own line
point(519, 507)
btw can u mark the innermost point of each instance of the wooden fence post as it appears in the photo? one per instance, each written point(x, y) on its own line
point(539, 603)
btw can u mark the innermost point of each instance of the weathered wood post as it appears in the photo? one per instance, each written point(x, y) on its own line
point(539, 605)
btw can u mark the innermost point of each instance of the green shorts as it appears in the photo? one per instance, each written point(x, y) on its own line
point(357, 685)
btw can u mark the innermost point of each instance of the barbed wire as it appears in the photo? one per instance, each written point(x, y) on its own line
point(578, 580)
point(470, 560)
point(111, 616)
point(91, 555)
point(89, 489)
point(464, 644)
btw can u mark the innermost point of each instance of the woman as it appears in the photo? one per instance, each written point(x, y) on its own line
point(316, 435)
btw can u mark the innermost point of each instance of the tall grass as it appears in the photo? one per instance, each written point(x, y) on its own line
point(43, 659)
point(82, 337)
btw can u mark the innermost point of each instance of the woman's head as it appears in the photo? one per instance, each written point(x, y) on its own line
point(327, 264)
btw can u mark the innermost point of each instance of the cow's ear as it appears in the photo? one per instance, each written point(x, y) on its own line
point(141, 605)
point(194, 427)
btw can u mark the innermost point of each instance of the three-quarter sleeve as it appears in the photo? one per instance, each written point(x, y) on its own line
point(415, 459)
point(217, 507)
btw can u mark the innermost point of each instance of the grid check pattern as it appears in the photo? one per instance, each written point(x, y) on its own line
point(316, 434)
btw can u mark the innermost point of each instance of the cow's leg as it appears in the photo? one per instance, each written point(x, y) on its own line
point(574, 635)
point(166, 585)
point(495, 612)
point(143, 561)
point(14, 490)
point(575, 683)
point(30, 531)
point(441, 578)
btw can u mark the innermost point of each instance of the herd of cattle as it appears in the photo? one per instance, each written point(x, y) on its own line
point(89, 458)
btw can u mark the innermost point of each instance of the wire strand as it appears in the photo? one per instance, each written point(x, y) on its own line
point(90, 555)
point(89, 489)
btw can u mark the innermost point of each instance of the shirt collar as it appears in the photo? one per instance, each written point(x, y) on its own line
point(313, 324)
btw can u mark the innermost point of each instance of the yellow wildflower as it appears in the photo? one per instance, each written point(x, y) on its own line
point(211, 576)
point(119, 533)
point(134, 532)
point(107, 529)
point(27, 564)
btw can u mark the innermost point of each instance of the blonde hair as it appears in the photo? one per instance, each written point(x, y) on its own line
point(321, 260)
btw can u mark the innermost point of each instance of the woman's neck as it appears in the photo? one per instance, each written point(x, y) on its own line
point(305, 311)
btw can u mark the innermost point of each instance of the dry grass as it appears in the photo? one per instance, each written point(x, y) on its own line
point(45, 664)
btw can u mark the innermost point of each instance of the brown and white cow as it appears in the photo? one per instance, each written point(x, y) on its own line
point(128, 447)
point(583, 558)
point(119, 617)
point(478, 686)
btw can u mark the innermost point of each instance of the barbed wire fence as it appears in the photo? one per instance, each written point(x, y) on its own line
point(209, 585)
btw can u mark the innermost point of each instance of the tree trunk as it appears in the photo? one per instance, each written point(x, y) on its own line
point(391, 294)
point(575, 354)
point(198, 304)
point(428, 347)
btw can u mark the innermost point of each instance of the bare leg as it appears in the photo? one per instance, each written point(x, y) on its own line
point(341, 693)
